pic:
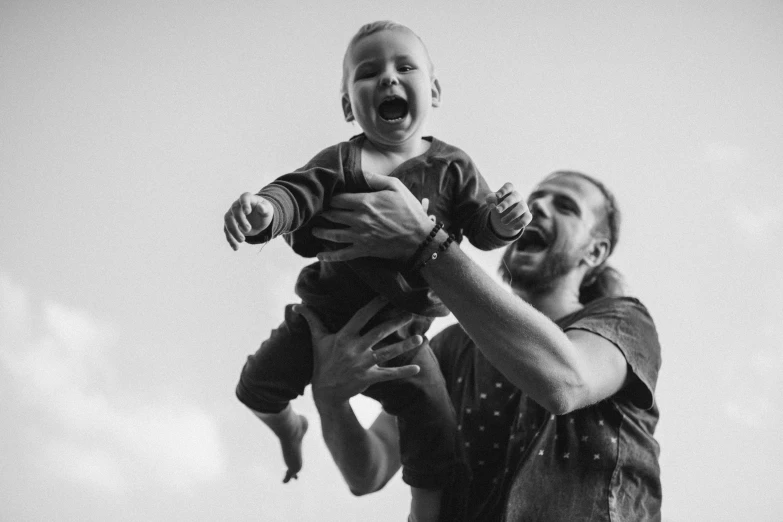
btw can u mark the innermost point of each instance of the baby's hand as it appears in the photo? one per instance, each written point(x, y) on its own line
point(509, 212)
point(248, 216)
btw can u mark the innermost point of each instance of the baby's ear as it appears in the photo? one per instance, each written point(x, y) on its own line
point(435, 89)
point(346, 101)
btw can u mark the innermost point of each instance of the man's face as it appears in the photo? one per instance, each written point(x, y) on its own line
point(390, 92)
point(565, 210)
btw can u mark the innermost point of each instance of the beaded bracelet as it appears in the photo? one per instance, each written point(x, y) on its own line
point(442, 248)
point(423, 245)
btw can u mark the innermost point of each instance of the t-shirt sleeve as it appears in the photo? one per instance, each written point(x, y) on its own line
point(300, 195)
point(627, 324)
point(471, 213)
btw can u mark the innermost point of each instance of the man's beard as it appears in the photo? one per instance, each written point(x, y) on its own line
point(556, 264)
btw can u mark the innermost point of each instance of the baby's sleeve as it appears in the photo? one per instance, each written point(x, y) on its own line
point(470, 210)
point(300, 195)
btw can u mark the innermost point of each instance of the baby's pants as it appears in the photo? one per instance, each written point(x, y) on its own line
point(281, 368)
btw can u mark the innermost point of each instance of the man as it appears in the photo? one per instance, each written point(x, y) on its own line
point(553, 385)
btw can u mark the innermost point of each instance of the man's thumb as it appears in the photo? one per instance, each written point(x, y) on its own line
point(377, 182)
point(317, 328)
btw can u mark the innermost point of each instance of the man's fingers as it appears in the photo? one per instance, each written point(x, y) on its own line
point(363, 316)
point(387, 353)
point(335, 235)
point(336, 215)
point(289, 475)
point(317, 328)
point(344, 254)
point(348, 201)
point(385, 329)
point(381, 182)
point(400, 372)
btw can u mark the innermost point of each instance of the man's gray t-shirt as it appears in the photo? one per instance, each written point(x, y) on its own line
point(598, 463)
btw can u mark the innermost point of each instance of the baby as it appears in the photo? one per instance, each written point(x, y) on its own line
point(389, 89)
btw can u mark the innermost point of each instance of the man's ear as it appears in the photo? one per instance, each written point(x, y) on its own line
point(597, 252)
point(435, 90)
point(347, 112)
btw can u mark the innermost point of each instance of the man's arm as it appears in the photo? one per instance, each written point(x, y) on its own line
point(367, 459)
point(344, 365)
point(562, 372)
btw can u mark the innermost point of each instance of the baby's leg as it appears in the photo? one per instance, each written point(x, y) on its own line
point(277, 373)
point(428, 431)
point(425, 505)
point(290, 428)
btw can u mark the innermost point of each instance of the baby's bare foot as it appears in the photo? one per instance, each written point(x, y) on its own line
point(292, 449)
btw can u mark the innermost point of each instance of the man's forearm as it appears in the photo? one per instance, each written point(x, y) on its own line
point(367, 459)
point(523, 344)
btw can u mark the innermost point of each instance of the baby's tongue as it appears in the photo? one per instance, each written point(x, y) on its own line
point(393, 109)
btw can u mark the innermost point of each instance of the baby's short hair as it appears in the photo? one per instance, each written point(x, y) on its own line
point(372, 28)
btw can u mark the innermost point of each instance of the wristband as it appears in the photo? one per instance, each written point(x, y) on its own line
point(442, 248)
point(412, 262)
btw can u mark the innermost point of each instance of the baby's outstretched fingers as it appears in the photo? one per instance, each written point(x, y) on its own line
point(234, 236)
point(508, 199)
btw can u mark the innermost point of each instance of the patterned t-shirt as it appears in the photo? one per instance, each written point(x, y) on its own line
point(598, 463)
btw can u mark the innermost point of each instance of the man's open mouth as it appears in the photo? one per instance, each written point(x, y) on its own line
point(393, 108)
point(533, 240)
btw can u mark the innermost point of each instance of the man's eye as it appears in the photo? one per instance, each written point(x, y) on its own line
point(566, 207)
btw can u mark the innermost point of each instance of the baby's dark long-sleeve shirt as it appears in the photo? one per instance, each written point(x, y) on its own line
point(444, 174)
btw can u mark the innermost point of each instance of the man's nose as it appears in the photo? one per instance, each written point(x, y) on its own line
point(538, 208)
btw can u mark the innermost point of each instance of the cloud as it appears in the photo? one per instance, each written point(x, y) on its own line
point(757, 222)
point(59, 363)
point(759, 382)
point(723, 155)
point(751, 412)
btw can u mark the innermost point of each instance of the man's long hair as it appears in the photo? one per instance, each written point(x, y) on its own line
point(604, 280)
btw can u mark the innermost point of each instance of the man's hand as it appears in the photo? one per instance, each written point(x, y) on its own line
point(388, 223)
point(509, 212)
point(345, 364)
point(248, 216)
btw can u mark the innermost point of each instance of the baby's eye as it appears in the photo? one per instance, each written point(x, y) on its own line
point(367, 73)
point(405, 68)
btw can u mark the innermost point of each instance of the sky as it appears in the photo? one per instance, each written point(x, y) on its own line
point(128, 128)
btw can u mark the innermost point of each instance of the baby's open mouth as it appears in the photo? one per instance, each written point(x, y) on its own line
point(393, 108)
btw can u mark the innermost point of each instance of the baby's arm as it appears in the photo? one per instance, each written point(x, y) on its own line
point(288, 203)
point(249, 215)
point(489, 219)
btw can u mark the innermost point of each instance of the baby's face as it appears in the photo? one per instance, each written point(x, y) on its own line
point(390, 92)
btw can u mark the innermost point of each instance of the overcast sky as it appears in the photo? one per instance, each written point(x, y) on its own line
point(127, 128)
